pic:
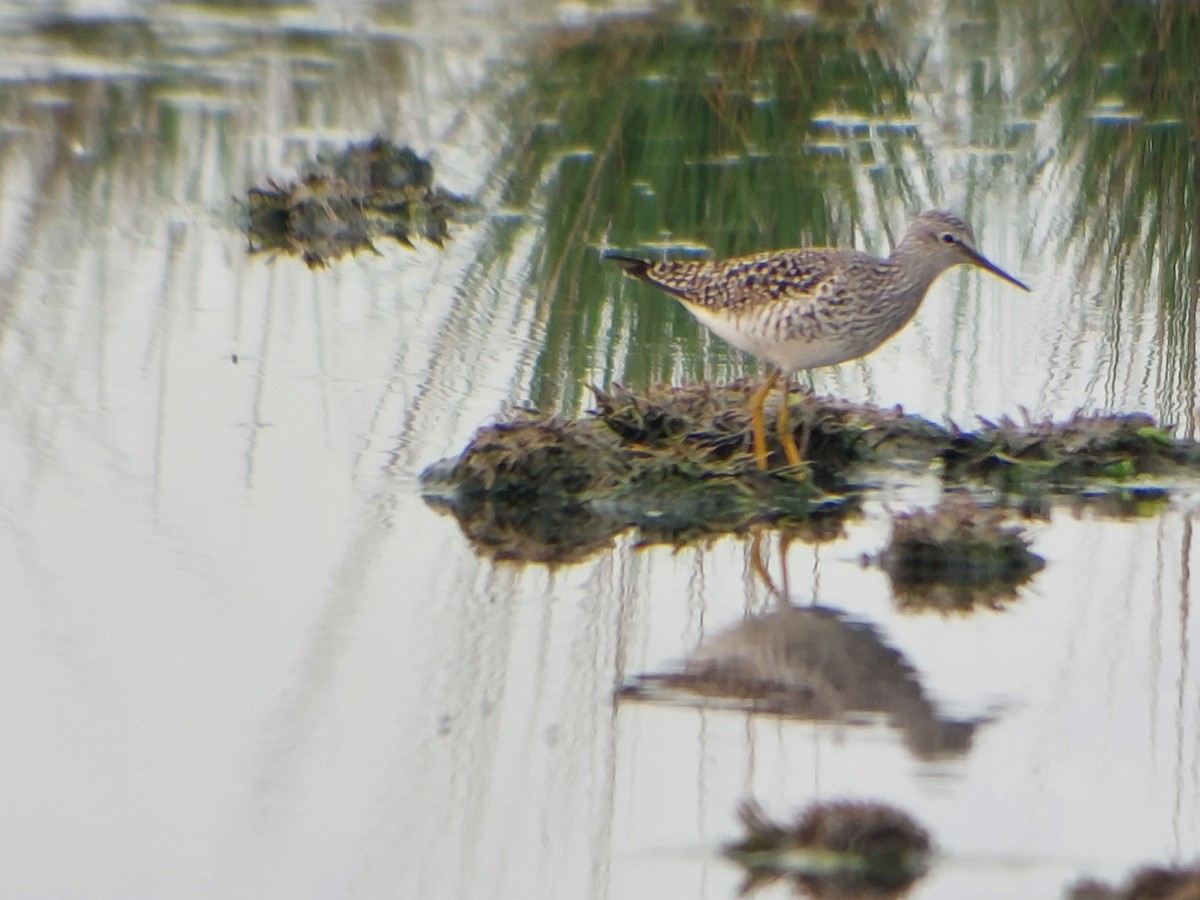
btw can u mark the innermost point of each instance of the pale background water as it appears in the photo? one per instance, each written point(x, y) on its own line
point(240, 656)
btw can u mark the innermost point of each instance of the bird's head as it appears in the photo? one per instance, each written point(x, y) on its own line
point(941, 240)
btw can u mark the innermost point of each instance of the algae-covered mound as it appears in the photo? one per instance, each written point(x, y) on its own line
point(834, 850)
point(677, 464)
point(1061, 455)
point(711, 425)
point(956, 556)
point(516, 477)
point(343, 203)
point(519, 490)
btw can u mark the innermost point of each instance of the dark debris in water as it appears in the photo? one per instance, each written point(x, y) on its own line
point(343, 203)
point(1149, 883)
point(863, 850)
point(957, 556)
point(677, 464)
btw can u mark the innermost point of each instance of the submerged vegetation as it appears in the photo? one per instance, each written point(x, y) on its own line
point(342, 204)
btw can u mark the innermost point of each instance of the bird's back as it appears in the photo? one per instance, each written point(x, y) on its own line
point(740, 284)
point(797, 308)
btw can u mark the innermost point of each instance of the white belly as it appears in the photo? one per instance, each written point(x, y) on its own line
point(789, 355)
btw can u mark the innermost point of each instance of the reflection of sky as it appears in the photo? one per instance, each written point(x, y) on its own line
point(241, 657)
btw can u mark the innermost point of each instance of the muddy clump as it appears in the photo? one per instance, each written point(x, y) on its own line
point(519, 490)
point(1149, 883)
point(865, 850)
point(344, 203)
point(957, 556)
point(1063, 456)
point(677, 463)
point(517, 481)
point(710, 424)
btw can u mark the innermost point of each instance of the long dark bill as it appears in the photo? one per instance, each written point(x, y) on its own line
point(984, 263)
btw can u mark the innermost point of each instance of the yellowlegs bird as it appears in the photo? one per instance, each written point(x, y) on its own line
point(816, 306)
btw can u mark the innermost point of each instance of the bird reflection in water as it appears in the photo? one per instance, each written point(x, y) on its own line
point(813, 663)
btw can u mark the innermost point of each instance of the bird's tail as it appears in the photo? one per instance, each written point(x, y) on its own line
point(631, 264)
point(651, 273)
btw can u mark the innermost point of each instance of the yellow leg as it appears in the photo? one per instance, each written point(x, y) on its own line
point(784, 430)
point(756, 419)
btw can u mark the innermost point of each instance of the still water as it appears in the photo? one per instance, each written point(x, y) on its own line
point(241, 657)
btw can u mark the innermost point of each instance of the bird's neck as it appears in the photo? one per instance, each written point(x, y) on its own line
point(911, 273)
point(904, 282)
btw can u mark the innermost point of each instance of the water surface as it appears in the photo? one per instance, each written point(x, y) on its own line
point(242, 657)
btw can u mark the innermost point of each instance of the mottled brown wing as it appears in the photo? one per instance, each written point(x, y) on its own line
point(746, 281)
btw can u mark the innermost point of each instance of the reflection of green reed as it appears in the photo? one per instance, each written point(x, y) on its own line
point(1130, 97)
point(128, 101)
point(700, 137)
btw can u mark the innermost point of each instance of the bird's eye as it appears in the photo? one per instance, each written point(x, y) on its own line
point(948, 238)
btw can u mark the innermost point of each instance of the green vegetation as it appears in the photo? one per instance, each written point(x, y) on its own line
point(1128, 88)
point(1064, 456)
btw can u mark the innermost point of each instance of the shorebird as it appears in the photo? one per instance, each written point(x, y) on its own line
point(814, 306)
